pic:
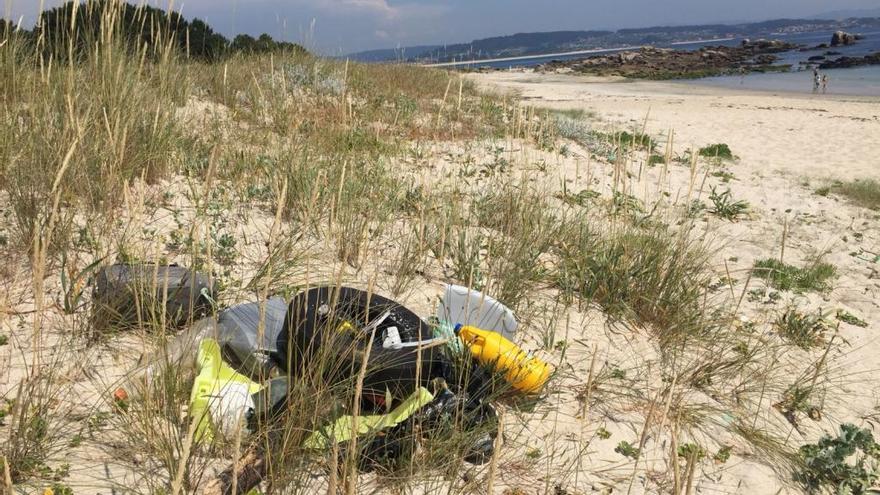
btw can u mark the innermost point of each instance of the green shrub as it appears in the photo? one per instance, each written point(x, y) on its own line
point(783, 276)
point(846, 464)
point(720, 151)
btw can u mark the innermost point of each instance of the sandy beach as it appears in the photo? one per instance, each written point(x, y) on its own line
point(786, 145)
point(618, 411)
point(820, 136)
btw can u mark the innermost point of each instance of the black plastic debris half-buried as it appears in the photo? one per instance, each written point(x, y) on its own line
point(332, 327)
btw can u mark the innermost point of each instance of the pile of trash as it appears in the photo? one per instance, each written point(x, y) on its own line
point(401, 369)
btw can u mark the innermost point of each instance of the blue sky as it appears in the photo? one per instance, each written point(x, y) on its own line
point(342, 26)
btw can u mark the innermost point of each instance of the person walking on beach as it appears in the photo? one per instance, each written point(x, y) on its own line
point(824, 83)
point(817, 80)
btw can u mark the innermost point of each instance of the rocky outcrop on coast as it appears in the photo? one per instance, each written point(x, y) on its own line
point(842, 38)
point(663, 63)
point(850, 62)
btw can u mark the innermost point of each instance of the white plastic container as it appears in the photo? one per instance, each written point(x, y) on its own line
point(473, 308)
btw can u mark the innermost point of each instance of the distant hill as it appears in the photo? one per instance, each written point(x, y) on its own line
point(524, 44)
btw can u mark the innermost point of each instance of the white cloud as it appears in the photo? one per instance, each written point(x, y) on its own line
point(381, 7)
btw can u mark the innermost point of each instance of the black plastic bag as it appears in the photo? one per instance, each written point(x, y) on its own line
point(128, 295)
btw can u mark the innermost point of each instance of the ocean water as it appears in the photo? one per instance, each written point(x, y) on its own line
point(857, 81)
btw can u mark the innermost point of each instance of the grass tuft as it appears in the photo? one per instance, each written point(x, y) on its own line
point(813, 277)
point(647, 274)
point(724, 206)
point(803, 330)
point(864, 192)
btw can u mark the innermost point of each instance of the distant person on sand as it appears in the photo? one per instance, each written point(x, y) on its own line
point(824, 83)
point(817, 80)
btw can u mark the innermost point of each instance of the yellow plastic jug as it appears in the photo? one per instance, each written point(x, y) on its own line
point(524, 372)
point(219, 395)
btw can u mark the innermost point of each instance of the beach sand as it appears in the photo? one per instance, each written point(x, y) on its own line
point(787, 145)
point(798, 134)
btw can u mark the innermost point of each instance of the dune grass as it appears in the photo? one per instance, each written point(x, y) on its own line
point(864, 192)
point(815, 276)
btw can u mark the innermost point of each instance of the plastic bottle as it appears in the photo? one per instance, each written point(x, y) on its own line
point(524, 372)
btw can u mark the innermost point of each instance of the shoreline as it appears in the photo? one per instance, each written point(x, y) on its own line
point(691, 86)
point(591, 51)
point(688, 86)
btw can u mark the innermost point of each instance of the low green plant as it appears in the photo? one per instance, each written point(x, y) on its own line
point(696, 208)
point(636, 140)
point(4, 339)
point(844, 465)
point(626, 449)
point(689, 450)
point(720, 151)
point(816, 276)
point(847, 317)
point(572, 127)
point(627, 204)
point(656, 159)
point(583, 198)
point(723, 455)
point(803, 330)
point(798, 399)
point(61, 489)
point(725, 175)
point(602, 433)
point(724, 206)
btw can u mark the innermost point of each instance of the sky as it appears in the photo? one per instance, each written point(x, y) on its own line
point(336, 27)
